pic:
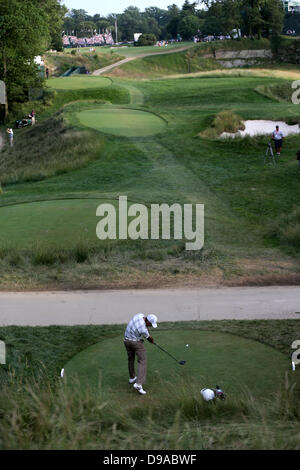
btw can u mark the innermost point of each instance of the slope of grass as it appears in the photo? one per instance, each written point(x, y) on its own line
point(165, 64)
point(60, 62)
point(63, 149)
point(240, 193)
point(282, 92)
point(197, 58)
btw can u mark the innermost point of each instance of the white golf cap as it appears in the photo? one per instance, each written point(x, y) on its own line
point(153, 320)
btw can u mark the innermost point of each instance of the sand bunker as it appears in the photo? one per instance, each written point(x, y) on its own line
point(262, 127)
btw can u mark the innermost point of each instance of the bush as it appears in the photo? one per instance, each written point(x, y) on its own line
point(225, 121)
point(146, 40)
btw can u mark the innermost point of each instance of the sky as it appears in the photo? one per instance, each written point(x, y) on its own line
point(117, 6)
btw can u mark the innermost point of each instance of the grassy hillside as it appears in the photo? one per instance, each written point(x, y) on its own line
point(60, 62)
point(54, 145)
point(240, 193)
point(165, 64)
point(48, 149)
point(197, 58)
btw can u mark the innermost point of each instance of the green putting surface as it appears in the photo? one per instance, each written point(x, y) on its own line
point(78, 82)
point(124, 122)
point(58, 223)
point(234, 363)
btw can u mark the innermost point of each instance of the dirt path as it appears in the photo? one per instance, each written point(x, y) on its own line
point(115, 307)
point(141, 56)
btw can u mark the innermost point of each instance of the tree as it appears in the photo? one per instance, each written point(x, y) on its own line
point(263, 17)
point(188, 9)
point(161, 16)
point(252, 17)
point(130, 22)
point(188, 26)
point(86, 29)
point(272, 13)
point(173, 10)
point(223, 17)
point(152, 27)
point(253, 20)
point(55, 13)
point(20, 42)
point(174, 15)
point(77, 17)
point(146, 40)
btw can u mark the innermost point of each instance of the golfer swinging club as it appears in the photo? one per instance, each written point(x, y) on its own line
point(134, 343)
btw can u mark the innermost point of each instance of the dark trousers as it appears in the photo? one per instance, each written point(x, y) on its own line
point(278, 144)
point(136, 348)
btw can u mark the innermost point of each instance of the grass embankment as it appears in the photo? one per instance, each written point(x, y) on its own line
point(60, 62)
point(166, 64)
point(54, 146)
point(198, 58)
point(39, 411)
point(242, 195)
point(48, 149)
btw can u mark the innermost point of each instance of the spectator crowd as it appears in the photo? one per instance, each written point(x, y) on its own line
point(96, 40)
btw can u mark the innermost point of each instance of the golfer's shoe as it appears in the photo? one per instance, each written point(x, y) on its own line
point(131, 381)
point(139, 388)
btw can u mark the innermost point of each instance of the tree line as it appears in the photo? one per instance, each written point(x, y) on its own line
point(206, 17)
point(30, 27)
point(27, 29)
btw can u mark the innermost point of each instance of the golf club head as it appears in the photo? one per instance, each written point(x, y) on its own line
point(182, 363)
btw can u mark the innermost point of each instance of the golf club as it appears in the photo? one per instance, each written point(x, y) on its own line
point(179, 362)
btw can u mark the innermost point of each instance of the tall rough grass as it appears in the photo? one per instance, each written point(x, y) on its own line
point(282, 93)
point(225, 121)
point(286, 228)
point(58, 416)
point(64, 148)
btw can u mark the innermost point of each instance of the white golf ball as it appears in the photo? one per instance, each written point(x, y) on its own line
point(207, 394)
point(187, 345)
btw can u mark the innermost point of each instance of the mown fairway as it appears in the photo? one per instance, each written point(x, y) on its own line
point(94, 150)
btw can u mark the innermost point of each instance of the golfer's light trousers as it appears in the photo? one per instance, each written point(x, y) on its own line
point(136, 348)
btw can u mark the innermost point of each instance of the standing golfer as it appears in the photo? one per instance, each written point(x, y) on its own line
point(135, 333)
point(277, 136)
